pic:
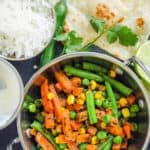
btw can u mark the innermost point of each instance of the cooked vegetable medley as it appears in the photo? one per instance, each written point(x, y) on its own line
point(85, 107)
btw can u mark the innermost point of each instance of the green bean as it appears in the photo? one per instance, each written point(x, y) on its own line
point(120, 87)
point(91, 107)
point(36, 125)
point(107, 145)
point(81, 73)
point(111, 96)
point(93, 67)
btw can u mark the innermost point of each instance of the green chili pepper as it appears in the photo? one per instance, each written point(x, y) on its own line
point(60, 11)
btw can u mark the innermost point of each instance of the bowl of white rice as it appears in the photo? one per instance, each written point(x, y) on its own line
point(26, 28)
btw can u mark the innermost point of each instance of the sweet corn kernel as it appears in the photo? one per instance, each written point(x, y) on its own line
point(82, 131)
point(98, 95)
point(125, 112)
point(70, 99)
point(82, 96)
point(50, 95)
point(123, 102)
point(93, 85)
point(94, 140)
point(103, 125)
point(58, 129)
point(43, 114)
point(57, 140)
point(80, 101)
point(62, 109)
point(112, 73)
point(66, 149)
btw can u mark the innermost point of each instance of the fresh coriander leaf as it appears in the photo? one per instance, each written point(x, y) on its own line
point(127, 37)
point(61, 37)
point(97, 24)
point(116, 28)
point(111, 37)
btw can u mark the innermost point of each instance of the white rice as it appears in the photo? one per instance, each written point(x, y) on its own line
point(26, 27)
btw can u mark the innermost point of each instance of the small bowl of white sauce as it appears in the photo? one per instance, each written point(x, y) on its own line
point(26, 28)
point(11, 93)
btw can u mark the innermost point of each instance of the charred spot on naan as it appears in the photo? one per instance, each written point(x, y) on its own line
point(103, 12)
point(140, 23)
point(66, 27)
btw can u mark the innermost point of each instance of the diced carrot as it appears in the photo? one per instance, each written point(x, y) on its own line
point(83, 138)
point(91, 147)
point(127, 131)
point(76, 81)
point(115, 130)
point(63, 80)
point(124, 145)
point(131, 99)
point(56, 103)
point(49, 121)
point(63, 102)
point(116, 146)
point(66, 125)
point(82, 116)
point(62, 139)
point(75, 125)
point(33, 132)
point(77, 91)
point(92, 130)
point(78, 107)
point(58, 86)
point(72, 146)
point(39, 80)
point(46, 103)
point(43, 142)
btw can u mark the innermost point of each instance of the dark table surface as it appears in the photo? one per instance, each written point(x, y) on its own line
point(26, 70)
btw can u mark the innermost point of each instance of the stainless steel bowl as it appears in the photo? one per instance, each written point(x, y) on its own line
point(12, 58)
point(143, 118)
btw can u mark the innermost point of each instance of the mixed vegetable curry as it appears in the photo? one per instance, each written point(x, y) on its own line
point(85, 107)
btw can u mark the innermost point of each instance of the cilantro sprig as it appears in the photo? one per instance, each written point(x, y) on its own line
point(122, 33)
point(73, 43)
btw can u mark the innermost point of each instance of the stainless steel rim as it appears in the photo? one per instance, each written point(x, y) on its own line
point(14, 115)
point(96, 55)
point(27, 58)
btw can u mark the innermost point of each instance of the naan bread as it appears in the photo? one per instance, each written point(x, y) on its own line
point(133, 13)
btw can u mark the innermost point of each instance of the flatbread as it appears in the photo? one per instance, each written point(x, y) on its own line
point(134, 13)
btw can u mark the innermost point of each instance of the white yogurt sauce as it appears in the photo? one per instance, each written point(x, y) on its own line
point(10, 96)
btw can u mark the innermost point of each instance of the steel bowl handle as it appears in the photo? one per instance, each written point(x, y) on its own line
point(136, 60)
point(13, 142)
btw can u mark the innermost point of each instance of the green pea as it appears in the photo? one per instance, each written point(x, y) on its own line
point(135, 126)
point(73, 115)
point(101, 135)
point(106, 104)
point(117, 140)
point(98, 102)
point(134, 108)
point(38, 103)
point(83, 146)
point(25, 105)
point(107, 118)
point(85, 82)
point(32, 108)
point(63, 146)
